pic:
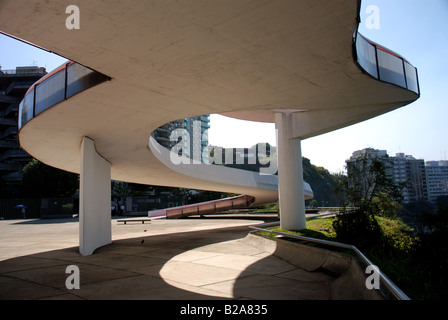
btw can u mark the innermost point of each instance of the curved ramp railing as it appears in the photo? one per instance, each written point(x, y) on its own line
point(206, 207)
point(224, 175)
point(394, 290)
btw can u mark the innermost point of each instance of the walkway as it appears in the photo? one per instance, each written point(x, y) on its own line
point(189, 259)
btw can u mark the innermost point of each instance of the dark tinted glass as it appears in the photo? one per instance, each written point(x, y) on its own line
point(26, 109)
point(50, 91)
point(80, 78)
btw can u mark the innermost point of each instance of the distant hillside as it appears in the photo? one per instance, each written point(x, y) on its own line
point(323, 184)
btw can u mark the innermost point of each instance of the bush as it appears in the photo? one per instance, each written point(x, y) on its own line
point(398, 238)
point(385, 206)
point(358, 228)
point(432, 252)
point(42, 181)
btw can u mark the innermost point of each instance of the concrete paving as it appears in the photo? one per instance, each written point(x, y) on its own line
point(188, 259)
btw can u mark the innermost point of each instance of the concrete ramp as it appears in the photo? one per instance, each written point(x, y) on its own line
point(236, 202)
point(349, 277)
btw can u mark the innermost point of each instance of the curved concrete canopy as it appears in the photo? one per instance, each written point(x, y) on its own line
point(170, 60)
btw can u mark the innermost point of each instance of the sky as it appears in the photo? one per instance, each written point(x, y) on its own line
point(415, 29)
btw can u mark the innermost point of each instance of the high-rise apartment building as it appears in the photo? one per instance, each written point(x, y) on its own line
point(369, 153)
point(437, 179)
point(402, 169)
point(13, 86)
point(410, 171)
point(167, 135)
point(189, 134)
point(197, 128)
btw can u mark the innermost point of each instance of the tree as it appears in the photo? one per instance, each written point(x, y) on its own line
point(314, 203)
point(371, 192)
point(42, 181)
point(369, 188)
point(119, 190)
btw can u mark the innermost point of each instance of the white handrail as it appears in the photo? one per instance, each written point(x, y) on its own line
point(393, 288)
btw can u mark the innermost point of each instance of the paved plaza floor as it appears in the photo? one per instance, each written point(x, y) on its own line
point(187, 259)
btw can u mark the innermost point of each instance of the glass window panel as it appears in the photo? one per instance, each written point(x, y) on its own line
point(50, 91)
point(80, 78)
point(26, 109)
point(391, 68)
point(19, 120)
point(411, 77)
point(366, 56)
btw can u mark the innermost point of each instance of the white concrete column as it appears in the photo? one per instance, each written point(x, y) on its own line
point(94, 200)
point(290, 175)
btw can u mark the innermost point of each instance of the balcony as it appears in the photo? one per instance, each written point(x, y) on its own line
point(59, 85)
point(384, 64)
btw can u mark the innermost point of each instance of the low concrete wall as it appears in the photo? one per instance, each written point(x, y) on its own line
point(349, 283)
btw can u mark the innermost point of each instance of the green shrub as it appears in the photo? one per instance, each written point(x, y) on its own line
point(397, 235)
point(358, 228)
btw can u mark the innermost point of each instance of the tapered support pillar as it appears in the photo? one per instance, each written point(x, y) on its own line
point(290, 175)
point(94, 200)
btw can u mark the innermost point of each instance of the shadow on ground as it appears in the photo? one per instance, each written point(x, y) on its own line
point(198, 265)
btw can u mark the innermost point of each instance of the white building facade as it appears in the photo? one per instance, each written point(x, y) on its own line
point(402, 169)
point(437, 179)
